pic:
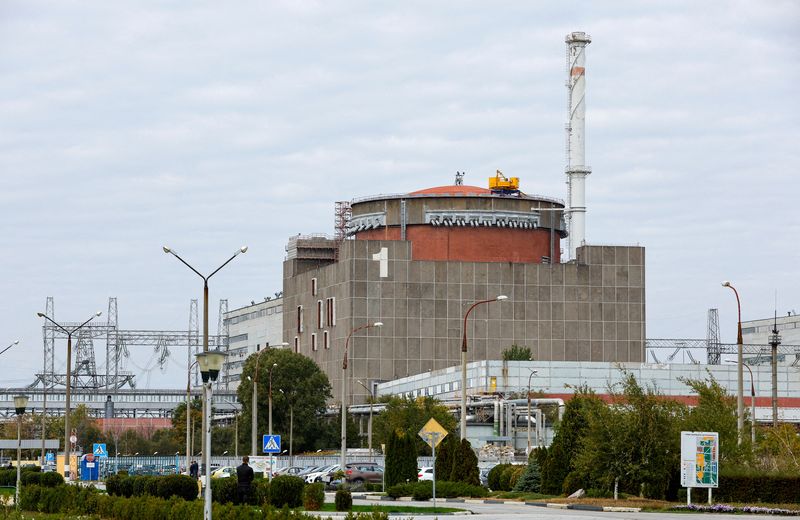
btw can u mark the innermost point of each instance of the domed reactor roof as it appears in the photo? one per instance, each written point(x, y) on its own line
point(464, 223)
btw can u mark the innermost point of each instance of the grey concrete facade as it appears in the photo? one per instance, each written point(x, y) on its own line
point(589, 310)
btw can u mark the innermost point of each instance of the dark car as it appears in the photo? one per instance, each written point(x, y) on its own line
point(361, 472)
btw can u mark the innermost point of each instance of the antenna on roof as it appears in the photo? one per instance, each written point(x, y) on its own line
point(459, 178)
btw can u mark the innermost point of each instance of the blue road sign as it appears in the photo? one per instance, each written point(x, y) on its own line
point(50, 457)
point(272, 444)
point(99, 450)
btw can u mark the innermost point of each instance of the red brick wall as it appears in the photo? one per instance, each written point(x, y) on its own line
point(472, 244)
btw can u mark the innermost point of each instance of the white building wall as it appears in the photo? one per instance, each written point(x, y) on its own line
point(757, 332)
point(251, 329)
point(561, 377)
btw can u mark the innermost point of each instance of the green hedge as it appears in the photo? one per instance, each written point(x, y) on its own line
point(494, 476)
point(313, 496)
point(343, 501)
point(747, 487)
point(8, 477)
point(444, 489)
point(76, 500)
point(286, 490)
point(182, 486)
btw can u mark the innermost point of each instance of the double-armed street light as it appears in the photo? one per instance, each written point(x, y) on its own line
point(20, 403)
point(740, 361)
point(464, 363)
point(343, 459)
point(16, 342)
point(210, 364)
point(67, 443)
point(168, 250)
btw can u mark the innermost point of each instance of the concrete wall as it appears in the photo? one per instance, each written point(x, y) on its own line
point(592, 310)
point(251, 329)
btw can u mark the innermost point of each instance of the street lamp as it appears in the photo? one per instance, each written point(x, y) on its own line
point(67, 431)
point(752, 404)
point(189, 411)
point(210, 363)
point(254, 404)
point(740, 373)
point(170, 251)
point(533, 372)
point(369, 425)
point(343, 460)
point(464, 364)
point(20, 403)
point(16, 342)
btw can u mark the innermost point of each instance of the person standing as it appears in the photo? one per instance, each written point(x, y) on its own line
point(194, 470)
point(245, 475)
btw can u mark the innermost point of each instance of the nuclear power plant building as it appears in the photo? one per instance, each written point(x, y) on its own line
point(417, 262)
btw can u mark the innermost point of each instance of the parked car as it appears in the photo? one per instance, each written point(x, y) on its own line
point(360, 472)
point(328, 477)
point(317, 474)
point(289, 470)
point(224, 472)
point(425, 473)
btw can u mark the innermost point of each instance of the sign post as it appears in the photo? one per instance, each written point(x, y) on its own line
point(433, 433)
point(699, 462)
point(271, 444)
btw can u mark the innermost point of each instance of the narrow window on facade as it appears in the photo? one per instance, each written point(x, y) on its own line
point(313, 341)
point(313, 287)
point(330, 311)
point(320, 316)
point(296, 345)
point(326, 341)
point(299, 318)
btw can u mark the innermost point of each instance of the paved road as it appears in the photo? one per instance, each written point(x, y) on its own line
point(512, 511)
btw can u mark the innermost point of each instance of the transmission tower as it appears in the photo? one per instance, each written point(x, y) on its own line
point(712, 337)
point(84, 374)
point(222, 333)
point(112, 344)
point(194, 339)
point(49, 341)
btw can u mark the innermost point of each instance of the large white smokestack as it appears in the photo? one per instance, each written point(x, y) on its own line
point(576, 169)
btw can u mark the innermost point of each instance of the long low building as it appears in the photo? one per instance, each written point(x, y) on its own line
point(494, 389)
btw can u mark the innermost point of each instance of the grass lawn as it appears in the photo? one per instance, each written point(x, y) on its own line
point(8, 491)
point(394, 509)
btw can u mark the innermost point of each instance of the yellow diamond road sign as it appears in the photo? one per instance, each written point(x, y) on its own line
point(432, 433)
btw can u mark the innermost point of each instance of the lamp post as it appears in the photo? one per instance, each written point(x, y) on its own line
point(170, 251)
point(343, 460)
point(16, 342)
point(67, 445)
point(189, 412)
point(20, 403)
point(752, 405)
point(369, 425)
point(210, 364)
point(740, 361)
point(533, 372)
point(464, 364)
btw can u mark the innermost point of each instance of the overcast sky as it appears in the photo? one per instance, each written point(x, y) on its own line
point(208, 125)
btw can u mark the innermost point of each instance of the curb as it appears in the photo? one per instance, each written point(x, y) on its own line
point(619, 509)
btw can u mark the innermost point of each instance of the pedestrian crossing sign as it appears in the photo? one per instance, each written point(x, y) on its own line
point(99, 450)
point(272, 444)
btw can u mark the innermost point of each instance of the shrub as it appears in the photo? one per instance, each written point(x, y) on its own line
point(504, 482)
point(314, 496)
point(531, 478)
point(446, 453)
point(447, 489)
point(749, 487)
point(343, 500)
point(599, 493)
point(493, 477)
point(286, 489)
point(260, 491)
point(182, 486)
point(223, 490)
point(126, 486)
point(151, 485)
point(30, 478)
point(113, 484)
point(515, 474)
point(51, 479)
point(405, 489)
point(423, 491)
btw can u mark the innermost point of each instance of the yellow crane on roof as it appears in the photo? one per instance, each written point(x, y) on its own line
point(502, 184)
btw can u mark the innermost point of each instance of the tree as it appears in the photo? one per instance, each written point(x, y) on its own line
point(401, 459)
point(568, 437)
point(517, 353)
point(465, 465)
point(530, 481)
point(445, 455)
point(299, 393)
point(410, 415)
point(179, 423)
point(716, 412)
point(779, 449)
